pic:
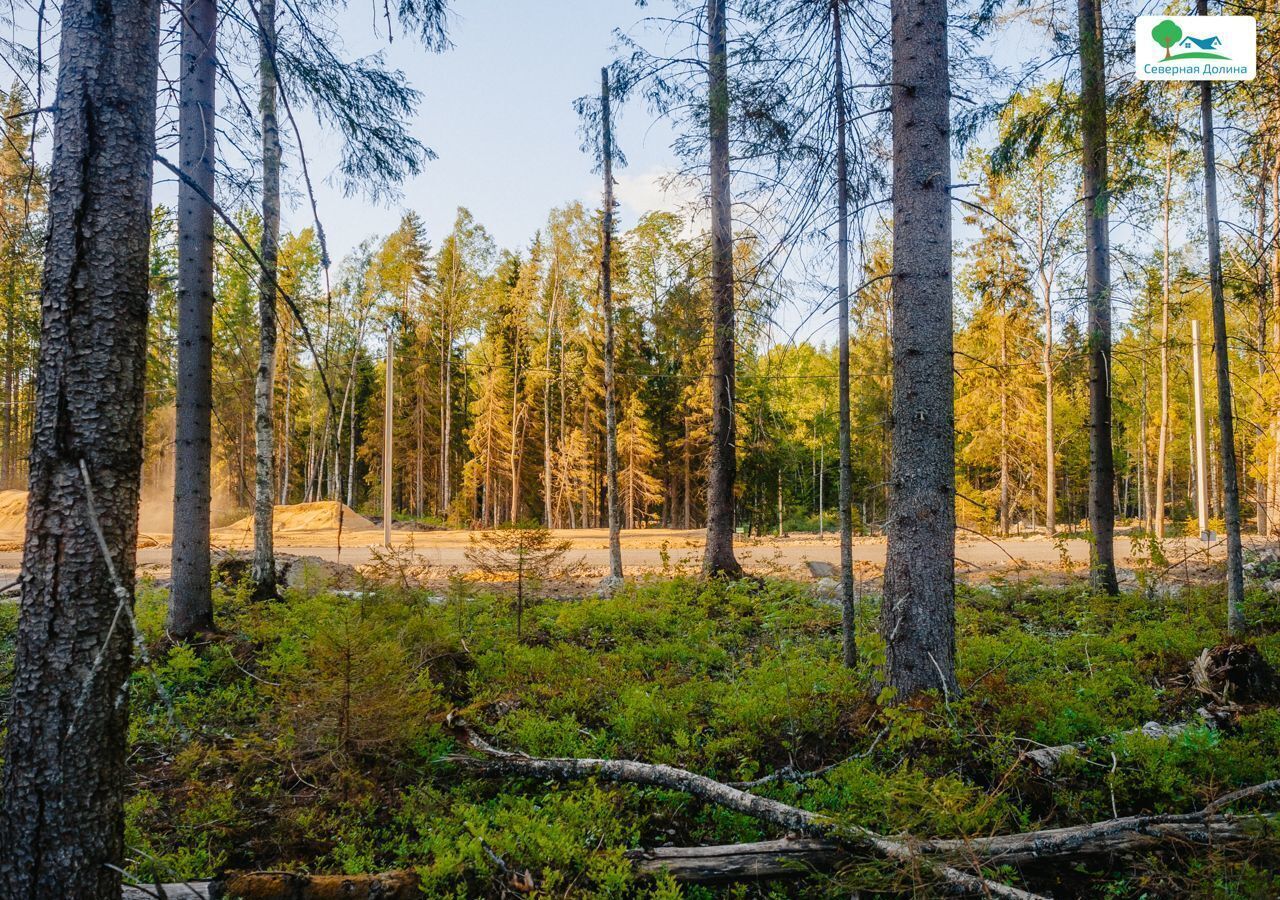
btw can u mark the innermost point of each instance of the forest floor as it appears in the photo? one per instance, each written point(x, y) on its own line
point(317, 734)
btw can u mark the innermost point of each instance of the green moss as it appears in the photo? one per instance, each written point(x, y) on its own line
point(308, 734)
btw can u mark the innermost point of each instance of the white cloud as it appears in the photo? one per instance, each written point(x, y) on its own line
point(641, 191)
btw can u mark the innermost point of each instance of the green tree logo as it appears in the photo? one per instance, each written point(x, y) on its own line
point(1166, 34)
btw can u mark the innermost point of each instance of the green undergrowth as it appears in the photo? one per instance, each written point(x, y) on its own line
point(309, 733)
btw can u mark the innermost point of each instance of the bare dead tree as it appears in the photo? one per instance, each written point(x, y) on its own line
point(719, 558)
point(606, 295)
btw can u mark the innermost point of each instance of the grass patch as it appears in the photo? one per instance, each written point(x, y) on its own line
point(307, 735)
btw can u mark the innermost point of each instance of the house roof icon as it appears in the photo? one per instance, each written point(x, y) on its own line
point(1210, 43)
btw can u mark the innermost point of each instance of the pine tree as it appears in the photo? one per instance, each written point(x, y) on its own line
point(639, 490)
point(190, 597)
point(1096, 191)
point(22, 213)
point(66, 736)
point(918, 612)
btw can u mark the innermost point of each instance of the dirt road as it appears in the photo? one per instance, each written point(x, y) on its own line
point(657, 550)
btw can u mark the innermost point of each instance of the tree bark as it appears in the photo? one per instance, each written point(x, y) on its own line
point(606, 294)
point(687, 490)
point(286, 442)
point(799, 857)
point(847, 608)
point(1046, 363)
point(549, 512)
point(1093, 132)
point(786, 858)
point(918, 613)
point(1004, 426)
point(1162, 450)
point(1260, 290)
point(190, 596)
point(388, 444)
point(1226, 416)
point(722, 471)
point(264, 562)
point(61, 819)
point(1273, 424)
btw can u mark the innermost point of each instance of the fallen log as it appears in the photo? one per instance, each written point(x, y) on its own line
point(739, 862)
point(285, 886)
point(194, 890)
point(1205, 826)
point(791, 856)
point(796, 776)
point(791, 818)
point(794, 857)
point(1127, 835)
point(1046, 759)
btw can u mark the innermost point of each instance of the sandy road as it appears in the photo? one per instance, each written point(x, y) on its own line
point(655, 550)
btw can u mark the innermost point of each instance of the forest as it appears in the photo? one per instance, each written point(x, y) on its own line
point(892, 509)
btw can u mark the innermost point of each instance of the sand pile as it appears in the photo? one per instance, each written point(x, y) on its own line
point(13, 515)
point(309, 517)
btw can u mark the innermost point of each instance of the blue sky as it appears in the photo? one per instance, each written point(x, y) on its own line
point(497, 109)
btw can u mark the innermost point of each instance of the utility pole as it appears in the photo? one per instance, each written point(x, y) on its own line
point(1202, 461)
point(386, 440)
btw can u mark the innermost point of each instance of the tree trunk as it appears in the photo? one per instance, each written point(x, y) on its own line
point(1260, 289)
point(285, 443)
point(1050, 449)
point(606, 293)
point(548, 489)
point(10, 366)
point(1004, 427)
point(1273, 495)
point(61, 820)
point(1144, 446)
point(351, 456)
point(264, 561)
point(688, 477)
point(1226, 416)
point(517, 414)
point(419, 429)
point(918, 613)
point(1046, 362)
point(1162, 450)
point(388, 445)
point(848, 610)
point(723, 468)
point(190, 596)
point(1093, 130)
